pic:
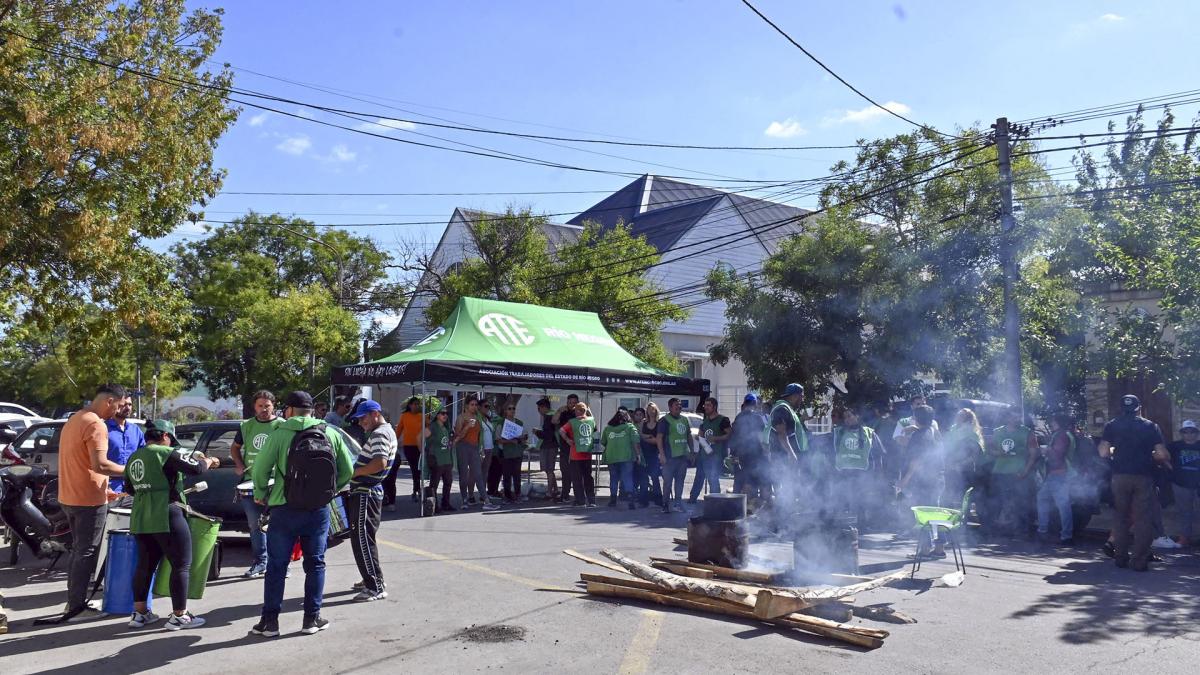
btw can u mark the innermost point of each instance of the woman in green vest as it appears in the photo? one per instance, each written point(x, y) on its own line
point(620, 440)
point(439, 456)
point(154, 474)
point(580, 435)
point(857, 459)
point(510, 452)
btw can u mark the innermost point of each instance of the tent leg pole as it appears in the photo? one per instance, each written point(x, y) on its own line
point(419, 469)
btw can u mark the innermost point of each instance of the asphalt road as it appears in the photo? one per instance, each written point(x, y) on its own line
point(492, 591)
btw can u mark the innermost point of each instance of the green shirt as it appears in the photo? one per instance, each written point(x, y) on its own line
point(583, 433)
point(151, 490)
point(717, 426)
point(272, 459)
point(439, 444)
point(852, 448)
point(677, 436)
point(1011, 449)
point(254, 437)
point(509, 449)
point(619, 442)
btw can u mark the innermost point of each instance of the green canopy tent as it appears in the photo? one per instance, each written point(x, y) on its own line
point(512, 345)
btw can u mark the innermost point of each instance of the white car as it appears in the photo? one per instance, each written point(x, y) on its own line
point(20, 422)
point(15, 409)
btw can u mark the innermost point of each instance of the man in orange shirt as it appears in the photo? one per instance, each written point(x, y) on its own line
point(83, 471)
point(410, 431)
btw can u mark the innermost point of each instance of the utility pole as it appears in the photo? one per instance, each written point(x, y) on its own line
point(1008, 258)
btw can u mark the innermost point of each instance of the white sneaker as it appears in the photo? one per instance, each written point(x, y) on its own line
point(1165, 542)
point(368, 596)
point(185, 620)
point(142, 619)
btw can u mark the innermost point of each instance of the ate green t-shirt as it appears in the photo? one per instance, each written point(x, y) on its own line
point(151, 490)
point(619, 442)
point(717, 426)
point(254, 437)
point(1011, 449)
point(509, 449)
point(678, 430)
point(439, 444)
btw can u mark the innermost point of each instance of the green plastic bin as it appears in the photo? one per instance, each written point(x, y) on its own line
point(204, 549)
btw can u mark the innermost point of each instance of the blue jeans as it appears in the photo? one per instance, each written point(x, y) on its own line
point(647, 476)
point(258, 540)
point(620, 473)
point(674, 473)
point(708, 470)
point(287, 525)
point(1054, 492)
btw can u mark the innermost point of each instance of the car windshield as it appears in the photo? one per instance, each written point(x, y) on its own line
point(188, 437)
point(351, 444)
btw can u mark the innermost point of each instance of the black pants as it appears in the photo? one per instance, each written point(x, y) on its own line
point(512, 477)
point(564, 461)
point(585, 483)
point(363, 509)
point(445, 474)
point(174, 544)
point(87, 530)
point(412, 455)
point(495, 472)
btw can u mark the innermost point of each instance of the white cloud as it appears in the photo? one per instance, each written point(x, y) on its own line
point(383, 125)
point(259, 119)
point(340, 153)
point(788, 128)
point(295, 145)
point(868, 114)
point(1111, 17)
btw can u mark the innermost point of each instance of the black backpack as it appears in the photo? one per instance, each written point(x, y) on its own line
point(311, 480)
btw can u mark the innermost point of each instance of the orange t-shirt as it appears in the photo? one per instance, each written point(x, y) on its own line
point(83, 433)
point(409, 428)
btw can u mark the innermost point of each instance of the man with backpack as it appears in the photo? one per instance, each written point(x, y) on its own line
point(310, 464)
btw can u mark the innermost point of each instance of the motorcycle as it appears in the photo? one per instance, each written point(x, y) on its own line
point(41, 525)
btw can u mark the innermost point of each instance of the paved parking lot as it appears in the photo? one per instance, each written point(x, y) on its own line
point(472, 592)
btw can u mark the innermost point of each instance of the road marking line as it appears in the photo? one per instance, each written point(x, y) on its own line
point(526, 581)
point(637, 657)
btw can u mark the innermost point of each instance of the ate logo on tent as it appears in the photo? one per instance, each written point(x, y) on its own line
point(507, 330)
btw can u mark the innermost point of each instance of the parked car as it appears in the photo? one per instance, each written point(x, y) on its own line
point(38, 444)
point(16, 409)
point(221, 499)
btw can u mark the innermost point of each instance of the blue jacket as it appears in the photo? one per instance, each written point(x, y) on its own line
point(121, 445)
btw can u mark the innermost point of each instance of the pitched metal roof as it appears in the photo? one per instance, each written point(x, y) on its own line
point(556, 233)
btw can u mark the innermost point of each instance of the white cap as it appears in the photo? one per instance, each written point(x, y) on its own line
point(1189, 424)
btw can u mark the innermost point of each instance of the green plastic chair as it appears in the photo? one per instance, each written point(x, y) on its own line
point(932, 518)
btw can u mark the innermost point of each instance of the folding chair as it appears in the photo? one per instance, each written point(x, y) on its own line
point(933, 518)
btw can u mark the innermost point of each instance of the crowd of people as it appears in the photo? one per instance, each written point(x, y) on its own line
point(872, 466)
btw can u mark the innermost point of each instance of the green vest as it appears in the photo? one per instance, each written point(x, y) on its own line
point(852, 451)
point(619, 442)
point(678, 432)
point(710, 428)
point(254, 437)
point(801, 435)
point(151, 490)
point(1014, 449)
point(583, 430)
point(439, 444)
point(508, 448)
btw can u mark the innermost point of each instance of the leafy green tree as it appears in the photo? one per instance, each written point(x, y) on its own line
point(509, 258)
point(94, 161)
point(275, 302)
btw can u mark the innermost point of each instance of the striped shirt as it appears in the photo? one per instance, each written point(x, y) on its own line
point(382, 443)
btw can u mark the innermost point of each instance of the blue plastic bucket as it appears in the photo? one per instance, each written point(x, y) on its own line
point(118, 575)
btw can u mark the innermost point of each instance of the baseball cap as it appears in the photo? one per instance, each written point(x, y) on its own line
point(365, 407)
point(544, 402)
point(1189, 424)
point(1130, 403)
point(298, 399)
point(750, 398)
point(792, 388)
point(165, 426)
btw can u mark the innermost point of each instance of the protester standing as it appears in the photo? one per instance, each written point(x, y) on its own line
point(310, 464)
point(1055, 490)
point(857, 461)
point(964, 446)
point(467, 432)
point(1135, 445)
point(580, 435)
point(365, 503)
point(83, 472)
point(792, 471)
point(547, 446)
point(715, 430)
point(565, 415)
point(1014, 450)
point(674, 439)
point(647, 475)
point(124, 438)
point(509, 452)
point(410, 428)
point(440, 457)
point(745, 443)
point(154, 475)
point(341, 408)
point(251, 436)
point(923, 480)
point(621, 442)
point(1185, 475)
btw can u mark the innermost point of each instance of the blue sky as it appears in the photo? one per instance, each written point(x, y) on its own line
point(702, 71)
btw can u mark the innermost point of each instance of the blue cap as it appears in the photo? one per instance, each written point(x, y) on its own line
point(792, 388)
point(750, 398)
point(365, 407)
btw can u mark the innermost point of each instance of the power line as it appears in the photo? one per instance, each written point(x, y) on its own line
point(839, 78)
